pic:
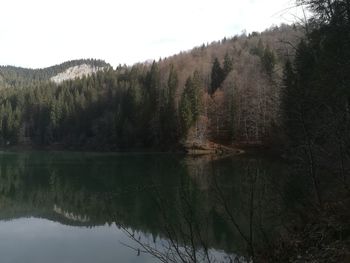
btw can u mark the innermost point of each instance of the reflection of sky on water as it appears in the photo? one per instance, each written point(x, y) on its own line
point(42, 241)
point(36, 240)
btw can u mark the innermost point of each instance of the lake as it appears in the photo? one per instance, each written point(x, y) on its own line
point(103, 207)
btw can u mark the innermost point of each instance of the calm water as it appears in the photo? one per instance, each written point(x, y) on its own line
point(86, 207)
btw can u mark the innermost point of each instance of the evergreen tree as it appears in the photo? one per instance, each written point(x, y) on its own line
point(190, 103)
point(153, 85)
point(228, 65)
point(172, 86)
point(152, 106)
point(217, 76)
point(186, 116)
point(289, 99)
point(268, 61)
point(169, 118)
point(259, 49)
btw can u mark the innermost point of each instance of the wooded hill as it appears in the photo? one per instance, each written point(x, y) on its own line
point(17, 77)
point(226, 91)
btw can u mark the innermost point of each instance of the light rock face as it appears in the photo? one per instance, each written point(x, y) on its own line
point(75, 72)
point(71, 216)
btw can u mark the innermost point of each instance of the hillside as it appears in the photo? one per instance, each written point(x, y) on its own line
point(225, 92)
point(241, 96)
point(18, 77)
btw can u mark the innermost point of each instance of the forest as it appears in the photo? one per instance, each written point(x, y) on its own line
point(227, 91)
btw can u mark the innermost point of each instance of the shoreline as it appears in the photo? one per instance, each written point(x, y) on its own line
point(195, 149)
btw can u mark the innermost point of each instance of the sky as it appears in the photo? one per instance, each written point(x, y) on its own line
point(41, 33)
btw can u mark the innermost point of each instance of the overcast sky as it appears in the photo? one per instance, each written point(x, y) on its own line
point(40, 33)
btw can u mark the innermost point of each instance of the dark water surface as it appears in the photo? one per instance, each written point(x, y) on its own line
point(80, 207)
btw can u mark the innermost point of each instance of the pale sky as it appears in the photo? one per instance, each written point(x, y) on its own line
point(41, 33)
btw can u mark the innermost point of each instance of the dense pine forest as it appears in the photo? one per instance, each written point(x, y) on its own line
point(226, 91)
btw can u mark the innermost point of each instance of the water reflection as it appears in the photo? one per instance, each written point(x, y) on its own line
point(68, 204)
point(41, 240)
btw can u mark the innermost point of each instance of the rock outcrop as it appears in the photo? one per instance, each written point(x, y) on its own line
point(75, 72)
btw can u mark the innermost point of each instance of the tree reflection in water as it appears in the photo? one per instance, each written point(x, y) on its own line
point(231, 203)
point(196, 209)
